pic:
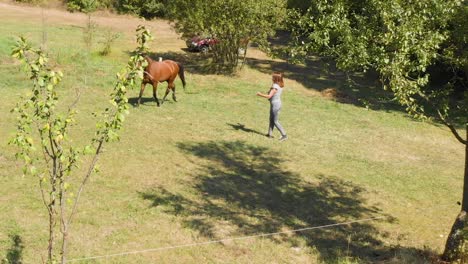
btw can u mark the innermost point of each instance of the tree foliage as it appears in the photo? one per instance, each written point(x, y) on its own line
point(85, 6)
point(399, 39)
point(54, 160)
point(402, 41)
point(233, 22)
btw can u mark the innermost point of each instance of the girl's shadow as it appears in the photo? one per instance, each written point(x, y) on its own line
point(242, 127)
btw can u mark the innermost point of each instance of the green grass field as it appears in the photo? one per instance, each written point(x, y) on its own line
point(200, 170)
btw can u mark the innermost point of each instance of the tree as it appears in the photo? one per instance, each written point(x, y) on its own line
point(57, 159)
point(403, 41)
point(233, 22)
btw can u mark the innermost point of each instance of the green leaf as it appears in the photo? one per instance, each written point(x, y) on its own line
point(88, 150)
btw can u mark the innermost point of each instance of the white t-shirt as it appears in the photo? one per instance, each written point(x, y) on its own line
point(277, 96)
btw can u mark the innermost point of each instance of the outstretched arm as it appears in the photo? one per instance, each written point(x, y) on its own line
point(269, 95)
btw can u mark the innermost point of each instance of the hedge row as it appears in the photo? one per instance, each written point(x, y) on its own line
point(143, 8)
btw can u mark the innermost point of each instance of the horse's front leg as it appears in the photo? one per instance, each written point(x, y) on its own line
point(155, 92)
point(141, 92)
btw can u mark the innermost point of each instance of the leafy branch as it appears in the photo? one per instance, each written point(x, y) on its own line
point(38, 118)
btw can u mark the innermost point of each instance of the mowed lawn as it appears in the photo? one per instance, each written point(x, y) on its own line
point(201, 170)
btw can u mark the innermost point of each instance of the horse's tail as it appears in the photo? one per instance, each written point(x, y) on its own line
point(182, 74)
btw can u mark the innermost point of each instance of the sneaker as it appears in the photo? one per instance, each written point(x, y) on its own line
point(269, 136)
point(283, 138)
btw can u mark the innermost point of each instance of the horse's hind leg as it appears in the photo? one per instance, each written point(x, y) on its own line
point(164, 98)
point(173, 93)
point(169, 85)
point(141, 92)
point(155, 94)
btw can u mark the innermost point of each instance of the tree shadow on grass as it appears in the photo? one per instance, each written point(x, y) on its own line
point(243, 189)
point(320, 74)
point(315, 73)
point(15, 252)
point(358, 89)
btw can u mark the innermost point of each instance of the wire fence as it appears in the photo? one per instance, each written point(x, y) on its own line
point(225, 240)
point(261, 235)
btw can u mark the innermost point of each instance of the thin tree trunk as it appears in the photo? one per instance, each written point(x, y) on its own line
point(465, 185)
point(63, 222)
point(64, 244)
point(245, 55)
point(50, 247)
point(67, 221)
point(52, 214)
point(456, 247)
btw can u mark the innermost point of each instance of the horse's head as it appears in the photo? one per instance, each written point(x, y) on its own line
point(147, 58)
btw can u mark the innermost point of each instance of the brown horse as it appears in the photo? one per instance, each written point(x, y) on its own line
point(161, 71)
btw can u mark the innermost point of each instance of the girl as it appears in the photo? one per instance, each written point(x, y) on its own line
point(274, 96)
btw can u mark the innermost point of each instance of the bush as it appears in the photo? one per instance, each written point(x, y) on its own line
point(144, 8)
point(88, 5)
point(85, 6)
point(31, 1)
point(109, 38)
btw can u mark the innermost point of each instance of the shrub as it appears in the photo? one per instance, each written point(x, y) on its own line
point(85, 6)
point(146, 9)
point(31, 1)
point(109, 38)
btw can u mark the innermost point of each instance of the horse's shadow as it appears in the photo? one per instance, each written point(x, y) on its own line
point(242, 127)
point(144, 100)
point(134, 100)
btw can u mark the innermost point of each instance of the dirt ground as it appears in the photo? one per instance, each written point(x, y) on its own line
point(58, 16)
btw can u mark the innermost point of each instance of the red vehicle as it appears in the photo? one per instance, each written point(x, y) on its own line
point(198, 43)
